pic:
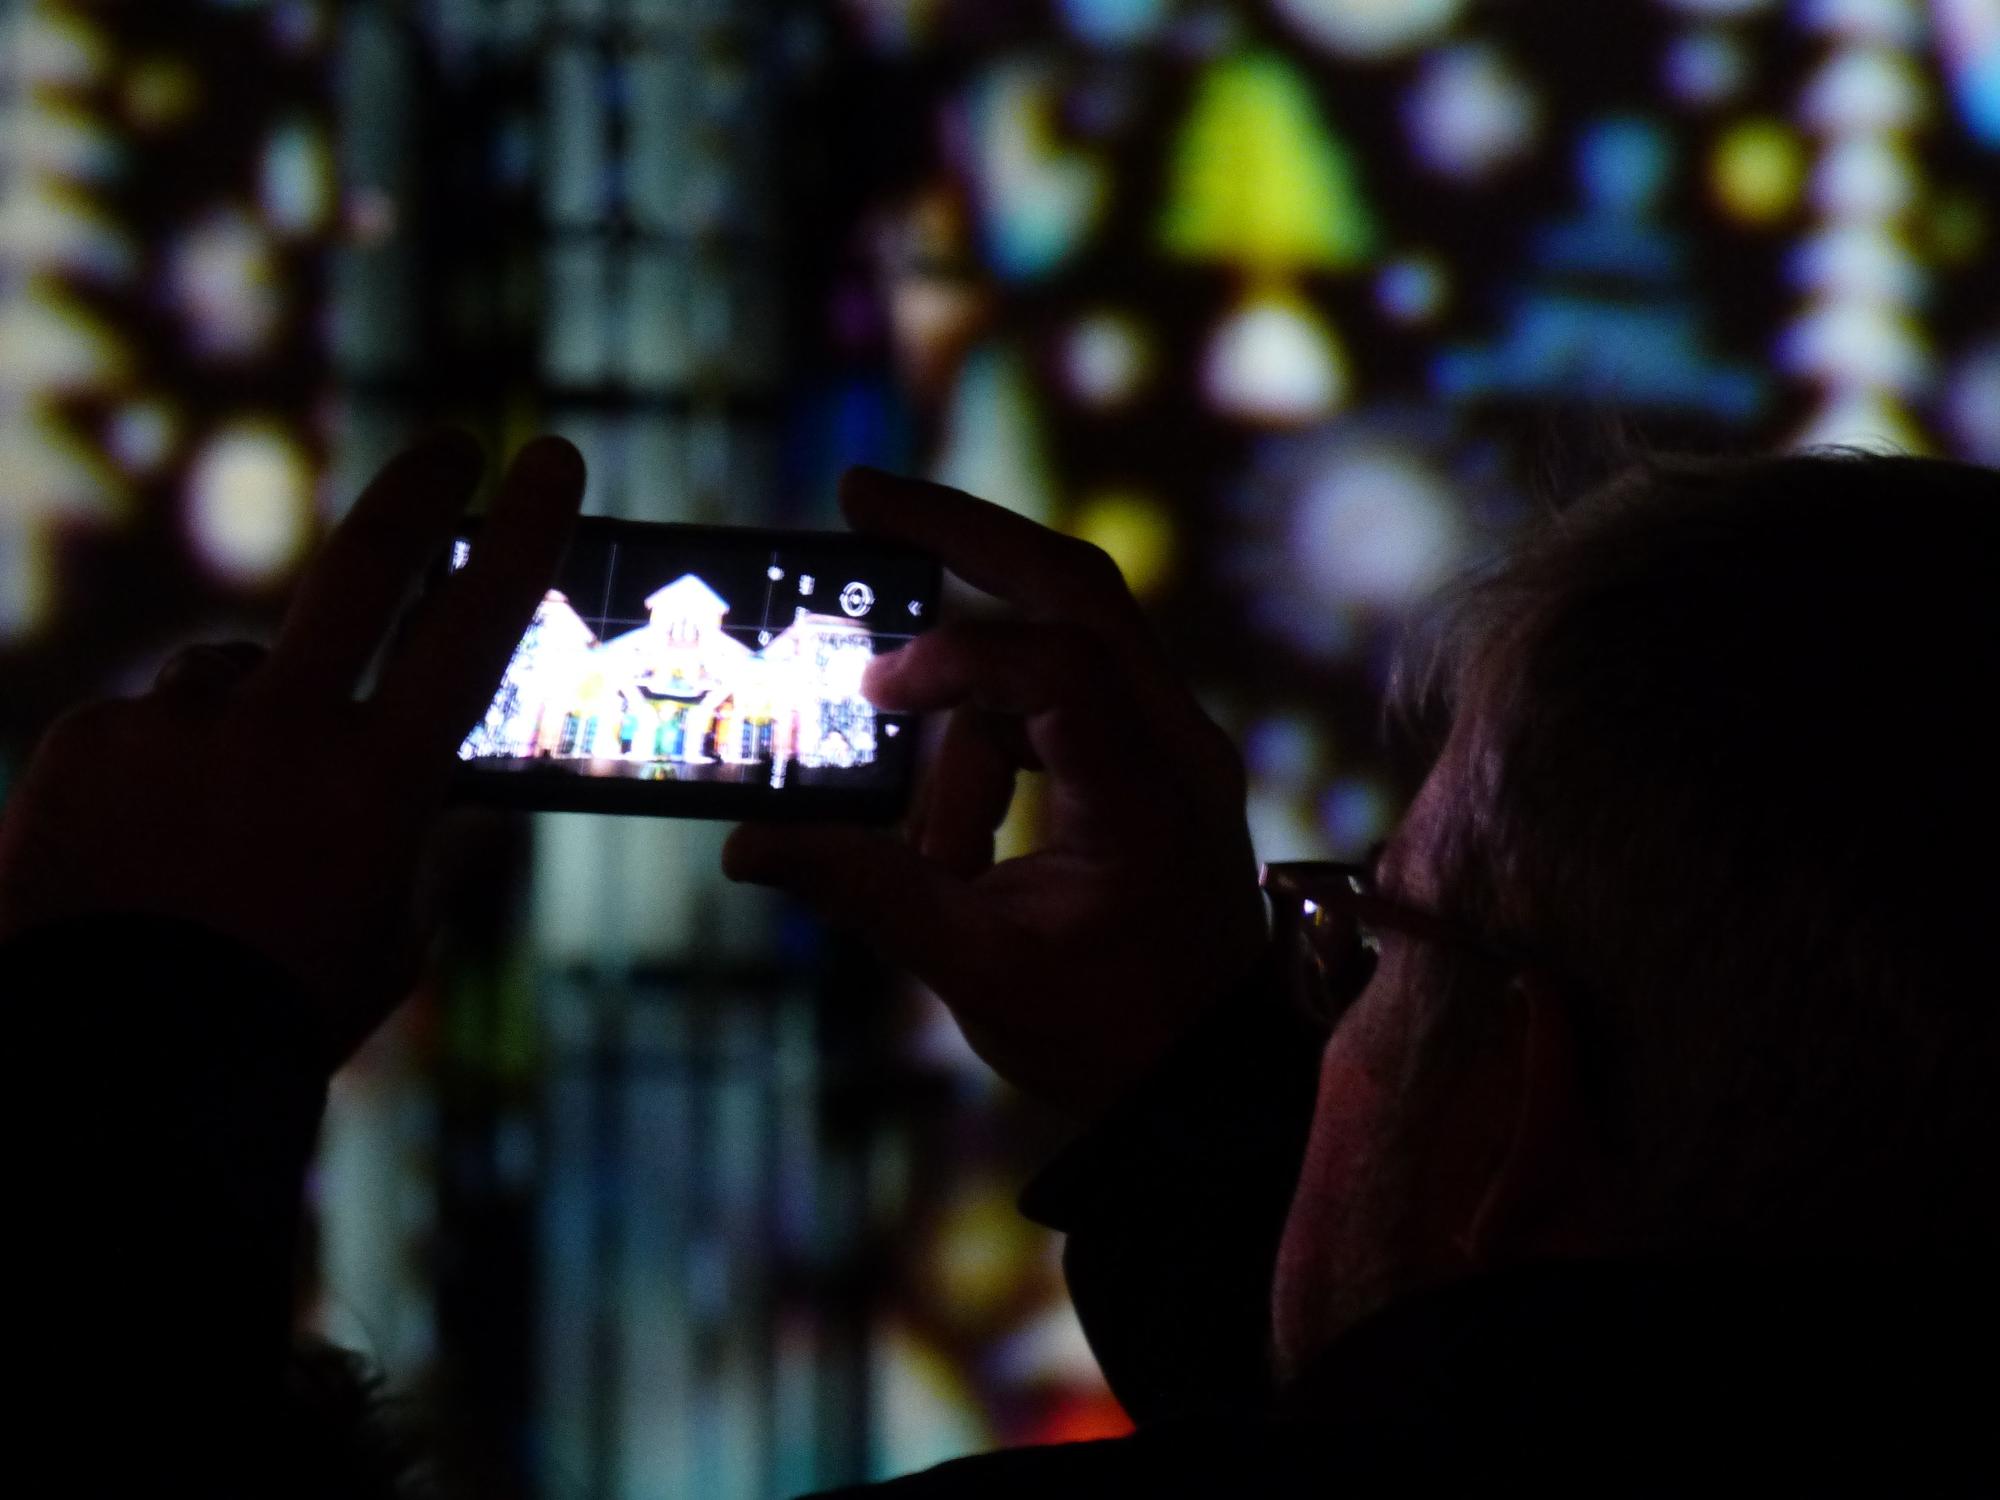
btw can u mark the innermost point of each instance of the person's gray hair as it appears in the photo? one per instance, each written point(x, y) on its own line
point(1730, 772)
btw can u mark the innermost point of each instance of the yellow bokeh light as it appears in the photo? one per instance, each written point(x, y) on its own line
point(1758, 170)
point(161, 92)
point(984, 1253)
point(1135, 531)
point(54, 46)
point(1260, 181)
point(53, 477)
point(59, 139)
point(1020, 832)
point(51, 342)
point(1958, 228)
point(53, 225)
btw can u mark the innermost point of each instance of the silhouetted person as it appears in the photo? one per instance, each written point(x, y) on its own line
point(1630, 1126)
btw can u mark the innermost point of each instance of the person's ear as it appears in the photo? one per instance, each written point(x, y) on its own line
point(1545, 1136)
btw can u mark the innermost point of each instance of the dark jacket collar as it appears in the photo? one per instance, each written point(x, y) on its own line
point(1825, 1366)
point(1608, 1380)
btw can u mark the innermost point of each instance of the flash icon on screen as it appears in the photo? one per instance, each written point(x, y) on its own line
point(807, 583)
point(857, 598)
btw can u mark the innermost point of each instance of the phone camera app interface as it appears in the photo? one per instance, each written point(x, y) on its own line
point(702, 660)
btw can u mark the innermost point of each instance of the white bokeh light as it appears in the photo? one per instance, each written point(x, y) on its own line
point(1865, 89)
point(1470, 113)
point(1275, 362)
point(225, 281)
point(1369, 28)
point(1106, 359)
point(249, 503)
point(1377, 529)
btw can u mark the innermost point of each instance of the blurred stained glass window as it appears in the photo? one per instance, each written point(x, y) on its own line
point(1293, 306)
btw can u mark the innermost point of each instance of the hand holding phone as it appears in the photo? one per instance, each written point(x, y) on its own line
point(252, 794)
point(1073, 967)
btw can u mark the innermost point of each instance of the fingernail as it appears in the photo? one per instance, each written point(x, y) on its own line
point(879, 671)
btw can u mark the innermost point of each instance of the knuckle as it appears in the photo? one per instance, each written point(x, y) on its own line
point(87, 733)
point(1071, 654)
point(950, 638)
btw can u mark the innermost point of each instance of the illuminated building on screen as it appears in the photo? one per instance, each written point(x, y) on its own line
point(681, 690)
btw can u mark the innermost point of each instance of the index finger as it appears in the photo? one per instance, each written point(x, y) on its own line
point(445, 674)
point(997, 551)
point(344, 605)
point(1057, 679)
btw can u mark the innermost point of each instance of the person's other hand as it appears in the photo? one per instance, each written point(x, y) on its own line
point(1072, 968)
point(252, 793)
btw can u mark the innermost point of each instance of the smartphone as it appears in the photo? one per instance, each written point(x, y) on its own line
point(705, 672)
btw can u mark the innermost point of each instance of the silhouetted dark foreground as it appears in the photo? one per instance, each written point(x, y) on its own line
point(1628, 1125)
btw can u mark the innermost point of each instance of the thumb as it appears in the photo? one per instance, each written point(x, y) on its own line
point(916, 913)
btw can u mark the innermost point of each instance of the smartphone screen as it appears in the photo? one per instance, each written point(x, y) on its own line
point(698, 671)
